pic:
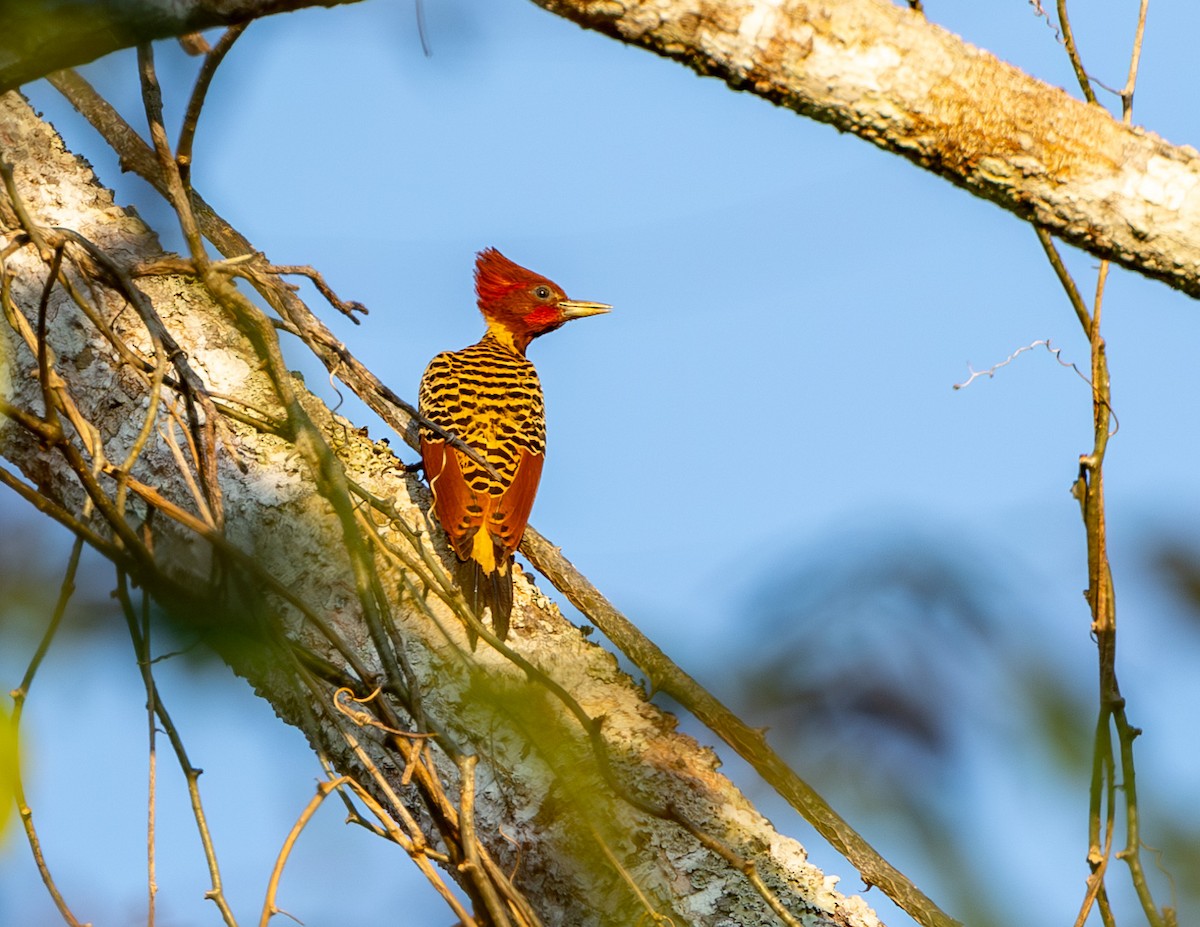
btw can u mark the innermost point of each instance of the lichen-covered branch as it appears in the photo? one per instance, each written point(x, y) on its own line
point(873, 68)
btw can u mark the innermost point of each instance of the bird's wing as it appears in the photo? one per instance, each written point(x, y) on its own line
point(509, 514)
point(457, 506)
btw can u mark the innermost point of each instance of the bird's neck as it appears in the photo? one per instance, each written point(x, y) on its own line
point(516, 342)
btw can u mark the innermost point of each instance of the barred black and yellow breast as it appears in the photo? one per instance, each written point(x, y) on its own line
point(490, 397)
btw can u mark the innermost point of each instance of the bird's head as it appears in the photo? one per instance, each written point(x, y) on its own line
point(518, 304)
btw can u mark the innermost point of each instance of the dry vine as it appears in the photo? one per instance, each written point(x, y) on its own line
point(1113, 769)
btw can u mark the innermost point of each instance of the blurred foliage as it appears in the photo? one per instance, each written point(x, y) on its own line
point(34, 554)
point(894, 658)
point(883, 649)
point(227, 627)
point(1177, 561)
point(890, 658)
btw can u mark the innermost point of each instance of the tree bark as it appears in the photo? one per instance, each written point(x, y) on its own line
point(882, 72)
point(583, 788)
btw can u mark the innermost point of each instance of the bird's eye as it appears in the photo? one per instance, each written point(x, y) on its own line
point(541, 292)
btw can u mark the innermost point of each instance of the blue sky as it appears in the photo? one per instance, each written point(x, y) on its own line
point(792, 307)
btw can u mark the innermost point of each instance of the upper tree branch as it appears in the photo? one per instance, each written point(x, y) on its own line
point(887, 75)
point(869, 67)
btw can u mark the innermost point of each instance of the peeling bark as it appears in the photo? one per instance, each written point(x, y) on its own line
point(541, 780)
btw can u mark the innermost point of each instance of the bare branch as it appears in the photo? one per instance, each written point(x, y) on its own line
point(19, 696)
point(191, 118)
point(1081, 75)
point(1089, 491)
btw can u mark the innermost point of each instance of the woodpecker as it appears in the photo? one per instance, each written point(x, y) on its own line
point(489, 397)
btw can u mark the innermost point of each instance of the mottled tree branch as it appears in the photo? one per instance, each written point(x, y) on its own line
point(869, 67)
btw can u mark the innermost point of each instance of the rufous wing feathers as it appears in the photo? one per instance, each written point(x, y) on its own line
point(485, 569)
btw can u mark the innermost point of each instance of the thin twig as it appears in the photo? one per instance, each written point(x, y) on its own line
point(655, 917)
point(1135, 58)
point(191, 117)
point(1131, 853)
point(18, 205)
point(141, 646)
point(19, 696)
point(324, 788)
point(1073, 53)
point(1065, 279)
point(167, 432)
point(191, 774)
point(470, 844)
point(422, 32)
point(168, 168)
point(1041, 343)
point(1098, 855)
point(1041, 12)
point(43, 347)
point(318, 280)
point(52, 509)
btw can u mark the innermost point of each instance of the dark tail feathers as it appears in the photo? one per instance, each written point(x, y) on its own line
point(487, 589)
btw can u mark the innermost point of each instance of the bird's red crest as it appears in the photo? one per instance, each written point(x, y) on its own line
point(496, 278)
